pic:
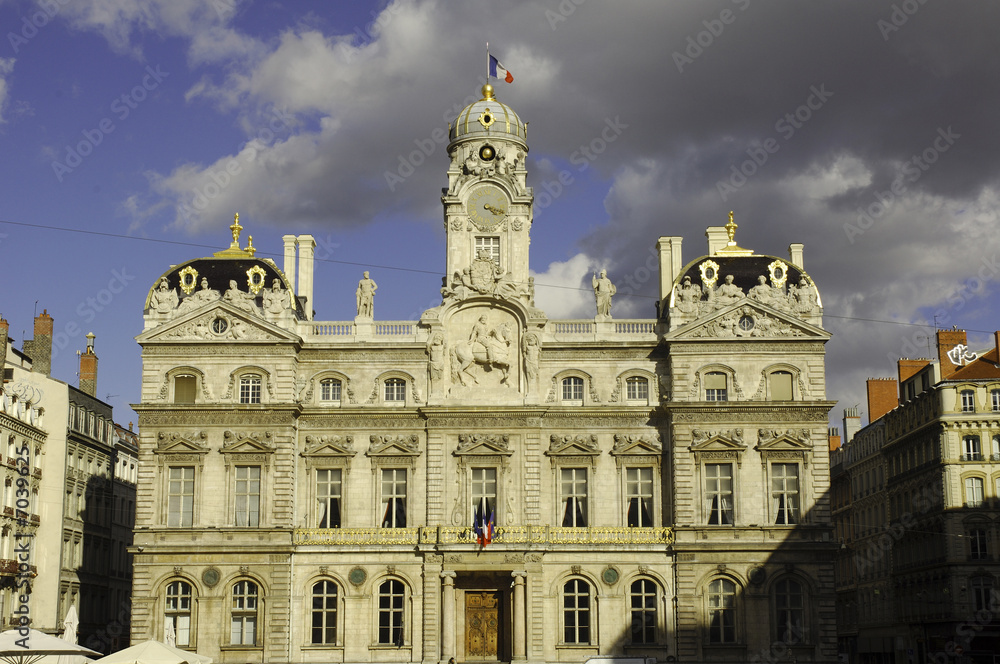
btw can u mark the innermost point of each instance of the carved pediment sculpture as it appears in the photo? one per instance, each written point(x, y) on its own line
point(403, 445)
point(334, 446)
point(246, 442)
point(561, 445)
point(483, 443)
point(647, 443)
point(181, 443)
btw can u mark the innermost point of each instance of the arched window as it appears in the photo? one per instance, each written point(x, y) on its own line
point(572, 389)
point(177, 611)
point(243, 630)
point(324, 613)
point(250, 388)
point(391, 612)
point(643, 601)
point(722, 611)
point(576, 611)
point(329, 390)
point(395, 389)
point(716, 387)
point(789, 607)
point(636, 388)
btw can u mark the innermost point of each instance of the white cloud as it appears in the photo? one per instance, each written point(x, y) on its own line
point(560, 291)
point(6, 67)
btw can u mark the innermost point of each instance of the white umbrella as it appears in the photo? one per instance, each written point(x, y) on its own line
point(70, 623)
point(32, 647)
point(154, 652)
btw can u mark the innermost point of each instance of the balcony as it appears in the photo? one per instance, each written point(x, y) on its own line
point(972, 456)
point(446, 535)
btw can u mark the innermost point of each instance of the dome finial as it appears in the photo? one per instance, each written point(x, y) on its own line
point(731, 229)
point(488, 93)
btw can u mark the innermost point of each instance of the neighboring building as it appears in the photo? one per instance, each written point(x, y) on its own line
point(310, 491)
point(74, 483)
point(916, 499)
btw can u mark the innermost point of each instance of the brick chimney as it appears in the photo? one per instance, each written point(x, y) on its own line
point(946, 340)
point(883, 396)
point(88, 368)
point(833, 435)
point(39, 349)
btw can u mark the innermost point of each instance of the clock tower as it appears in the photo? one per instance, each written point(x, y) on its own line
point(487, 206)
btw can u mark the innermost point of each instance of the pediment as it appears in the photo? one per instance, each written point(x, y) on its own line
point(217, 321)
point(394, 446)
point(580, 445)
point(246, 446)
point(796, 440)
point(329, 446)
point(718, 441)
point(748, 319)
point(179, 444)
point(641, 445)
point(483, 444)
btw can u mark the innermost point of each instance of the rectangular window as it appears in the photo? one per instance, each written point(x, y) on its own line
point(491, 245)
point(250, 389)
point(395, 389)
point(785, 492)
point(329, 390)
point(968, 401)
point(719, 493)
point(971, 449)
point(978, 545)
point(248, 496)
point(781, 386)
point(636, 389)
point(394, 498)
point(995, 399)
point(484, 494)
point(180, 498)
point(328, 493)
point(572, 389)
point(715, 387)
point(573, 483)
point(973, 492)
point(639, 496)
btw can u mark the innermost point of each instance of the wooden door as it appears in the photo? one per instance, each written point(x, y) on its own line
point(482, 624)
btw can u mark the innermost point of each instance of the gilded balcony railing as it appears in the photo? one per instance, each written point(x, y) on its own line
point(432, 535)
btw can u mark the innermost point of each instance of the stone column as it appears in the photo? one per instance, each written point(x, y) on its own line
point(447, 616)
point(520, 641)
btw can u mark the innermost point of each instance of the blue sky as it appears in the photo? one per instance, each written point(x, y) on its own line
point(869, 127)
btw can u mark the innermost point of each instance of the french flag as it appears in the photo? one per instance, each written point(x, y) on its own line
point(497, 70)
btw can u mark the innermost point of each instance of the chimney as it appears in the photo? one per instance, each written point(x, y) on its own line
point(39, 349)
point(852, 423)
point(289, 269)
point(946, 340)
point(718, 238)
point(307, 245)
point(795, 254)
point(669, 250)
point(883, 396)
point(833, 435)
point(88, 368)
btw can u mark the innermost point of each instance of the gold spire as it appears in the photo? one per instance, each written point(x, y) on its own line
point(234, 251)
point(250, 248)
point(731, 248)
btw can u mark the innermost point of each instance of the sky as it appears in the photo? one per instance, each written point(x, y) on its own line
point(131, 131)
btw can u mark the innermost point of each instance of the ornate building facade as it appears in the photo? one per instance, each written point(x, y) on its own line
point(485, 483)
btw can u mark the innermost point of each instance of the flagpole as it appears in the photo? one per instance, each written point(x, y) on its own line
point(487, 63)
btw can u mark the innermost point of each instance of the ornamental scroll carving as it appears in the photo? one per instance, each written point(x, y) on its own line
point(563, 444)
point(765, 436)
point(747, 322)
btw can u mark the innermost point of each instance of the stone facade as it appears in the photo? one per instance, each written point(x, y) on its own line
point(484, 483)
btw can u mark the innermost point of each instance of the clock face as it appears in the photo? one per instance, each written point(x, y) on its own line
point(487, 207)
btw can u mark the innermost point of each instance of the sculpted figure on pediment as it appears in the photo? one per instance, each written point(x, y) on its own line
point(240, 299)
point(203, 296)
point(727, 293)
point(276, 301)
point(803, 297)
point(688, 296)
point(164, 299)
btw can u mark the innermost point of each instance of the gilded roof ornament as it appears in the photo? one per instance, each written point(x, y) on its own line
point(234, 251)
point(731, 248)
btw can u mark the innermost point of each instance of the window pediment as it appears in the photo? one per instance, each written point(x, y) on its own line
point(394, 446)
point(175, 443)
point(483, 444)
point(791, 444)
point(708, 445)
point(329, 446)
point(239, 442)
point(633, 445)
point(565, 445)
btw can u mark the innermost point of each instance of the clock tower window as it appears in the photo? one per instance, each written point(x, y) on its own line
point(492, 247)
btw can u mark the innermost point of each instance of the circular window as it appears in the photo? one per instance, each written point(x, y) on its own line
point(710, 273)
point(746, 323)
point(220, 325)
